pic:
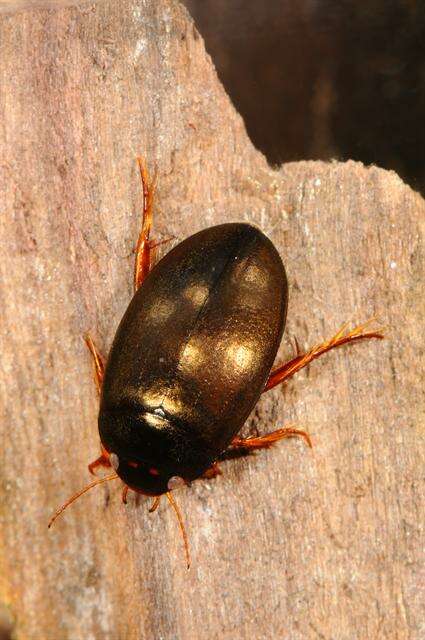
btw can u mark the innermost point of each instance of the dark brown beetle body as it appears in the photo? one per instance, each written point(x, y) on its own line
point(192, 355)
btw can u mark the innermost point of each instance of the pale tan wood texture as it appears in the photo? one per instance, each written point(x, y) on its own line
point(290, 543)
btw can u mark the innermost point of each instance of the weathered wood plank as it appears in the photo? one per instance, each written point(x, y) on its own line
point(287, 544)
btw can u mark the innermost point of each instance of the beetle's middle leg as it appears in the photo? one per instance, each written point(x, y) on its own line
point(212, 472)
point(244, 446)
point(99, 370)
point(287, 370)
point(98, 361)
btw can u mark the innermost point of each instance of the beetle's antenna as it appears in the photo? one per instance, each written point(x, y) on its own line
point(80, 493)
point(181, 524)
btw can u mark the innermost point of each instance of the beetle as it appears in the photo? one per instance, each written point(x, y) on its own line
point(192, 355)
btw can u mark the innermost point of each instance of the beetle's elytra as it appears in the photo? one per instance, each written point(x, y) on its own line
point(191, 356)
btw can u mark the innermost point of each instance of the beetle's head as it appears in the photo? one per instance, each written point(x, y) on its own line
point(143, 478)
point(149, 451)
point(147, 457)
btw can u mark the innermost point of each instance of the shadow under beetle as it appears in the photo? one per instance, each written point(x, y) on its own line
point(191, 356)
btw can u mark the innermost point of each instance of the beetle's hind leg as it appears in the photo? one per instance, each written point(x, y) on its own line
point(144, 244)
point(287, 370)
point(244, 446)
point(145, 247)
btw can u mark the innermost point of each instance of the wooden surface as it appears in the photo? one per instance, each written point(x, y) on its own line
point(288, 544)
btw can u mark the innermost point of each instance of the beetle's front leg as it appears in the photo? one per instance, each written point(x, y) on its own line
point(287, 370)
point(101, 461)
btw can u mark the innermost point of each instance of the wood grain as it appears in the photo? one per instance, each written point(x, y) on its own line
point(289, 543)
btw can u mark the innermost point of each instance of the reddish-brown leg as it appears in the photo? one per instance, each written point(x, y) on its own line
point(155, 504)
point(98, 361)
point(99, 369)
point(144, 244)
point(124, 494)
point(158, 244)
point(212, 472)
point(101, 461)
point(146, 248)
point(287, 370)
point(244, 446)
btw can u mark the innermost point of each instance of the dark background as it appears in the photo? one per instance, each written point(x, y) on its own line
point(320, 79)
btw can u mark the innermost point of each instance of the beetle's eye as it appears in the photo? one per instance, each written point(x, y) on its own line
point(114, 460)
point(175, 482)
point(153, 471)
point(133, 464)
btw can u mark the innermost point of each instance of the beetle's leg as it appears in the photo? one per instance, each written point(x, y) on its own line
point(99, 369)
point(287, 370)
point(144, 244)
point(154, 245)
point(124, 494)
point(212, 472)
point(145, 248)
point(244, 446)
point(101, 461)
point(99, 364)
point(155, 504)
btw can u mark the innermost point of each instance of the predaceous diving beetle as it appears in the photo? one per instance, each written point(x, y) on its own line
point(191, 356)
